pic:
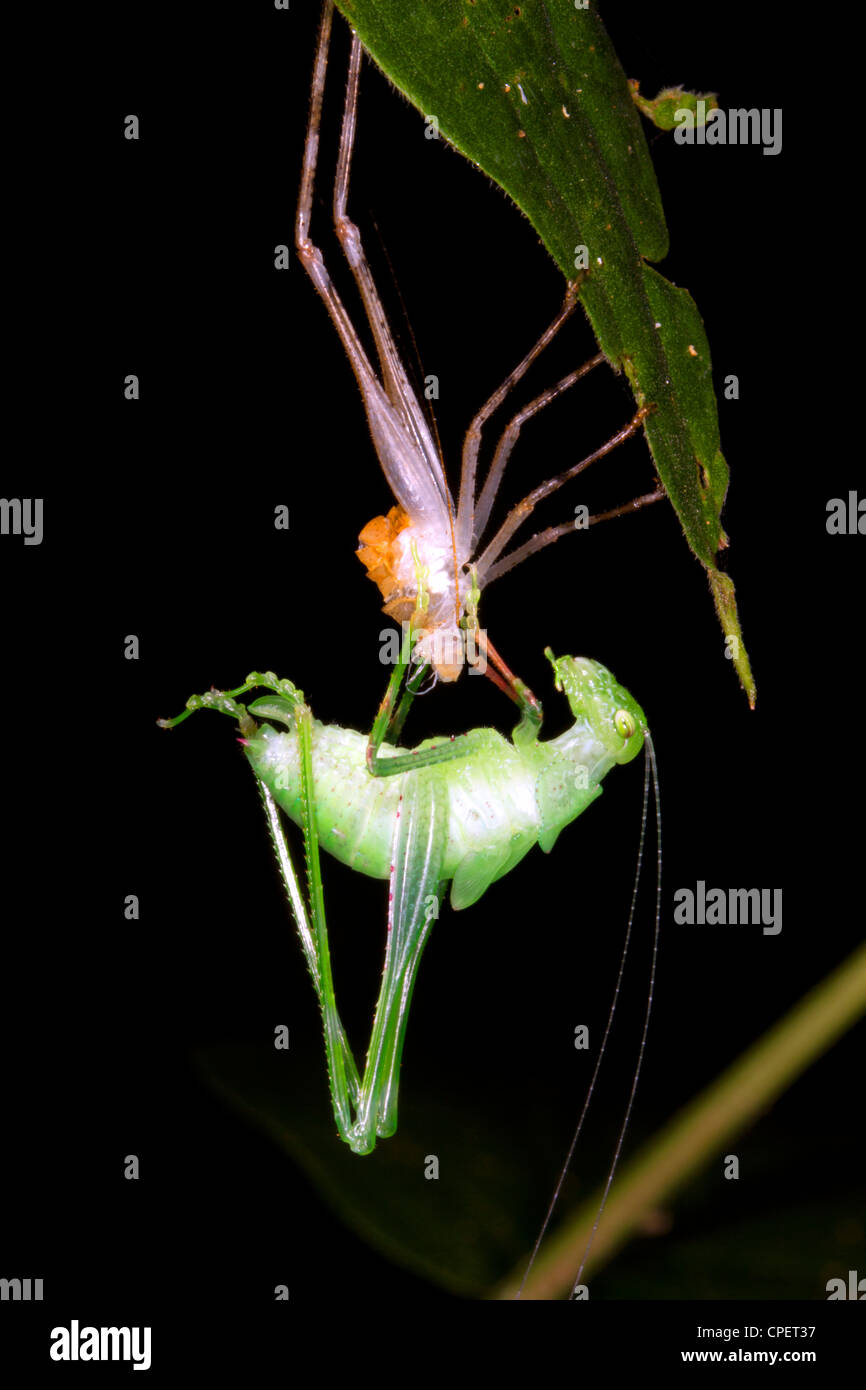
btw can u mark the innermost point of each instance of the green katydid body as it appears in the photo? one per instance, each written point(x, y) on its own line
point(464, 810)
point(501, 796)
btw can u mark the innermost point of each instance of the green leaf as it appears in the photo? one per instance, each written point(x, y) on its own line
point(662, 110)
point(534, 94)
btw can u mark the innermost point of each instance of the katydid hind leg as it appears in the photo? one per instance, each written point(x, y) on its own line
point(394, 378)
point(510, 435)
point(466, 522)
point(375, 398)
point(341, 1067)
point(306, 934)
point(415, 893)
point(523, 509)
point(542, 539)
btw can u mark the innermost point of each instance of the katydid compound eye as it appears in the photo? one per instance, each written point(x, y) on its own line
point(624, 723)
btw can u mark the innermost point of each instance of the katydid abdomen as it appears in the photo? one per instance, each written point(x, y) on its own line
point(498, 798)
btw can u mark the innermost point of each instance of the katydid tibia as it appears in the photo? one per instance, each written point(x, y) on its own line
point(462, 811)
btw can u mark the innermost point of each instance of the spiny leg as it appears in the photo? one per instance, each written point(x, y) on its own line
point(553, 533)
point(225, 702)
point(481, 654)
point(290, 707)
point(531, 713)
point(398, 719)
point(364, 1107)
point(472, 440)
point(310, 255)
point(307, 936)
point(419, 844)
point(521, 510)
point(475, 520)
point(508, 439)
point(389, 710)
point(342, 1074)
point(394, 378)
point(406, 449)
point(415, 893)
point(390, 713)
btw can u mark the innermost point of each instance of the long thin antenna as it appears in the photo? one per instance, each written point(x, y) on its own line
point(649, 768)
point(651, 759)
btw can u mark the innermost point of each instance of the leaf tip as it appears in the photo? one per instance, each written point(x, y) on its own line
point(724, 598)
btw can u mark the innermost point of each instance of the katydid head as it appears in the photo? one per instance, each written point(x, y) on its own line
point(598, 700)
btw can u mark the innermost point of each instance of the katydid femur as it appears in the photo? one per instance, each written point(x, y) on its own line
point(462, 810)
point(425, 556)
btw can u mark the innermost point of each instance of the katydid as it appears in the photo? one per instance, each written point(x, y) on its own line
point(462, 811)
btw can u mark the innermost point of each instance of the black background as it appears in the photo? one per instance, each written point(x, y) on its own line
point(158, 522)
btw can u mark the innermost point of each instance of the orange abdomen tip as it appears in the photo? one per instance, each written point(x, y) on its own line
point(376, 554)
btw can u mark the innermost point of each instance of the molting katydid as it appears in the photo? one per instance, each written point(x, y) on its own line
point(463, 811)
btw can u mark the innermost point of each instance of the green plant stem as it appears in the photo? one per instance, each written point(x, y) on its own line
point(698, 1132)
